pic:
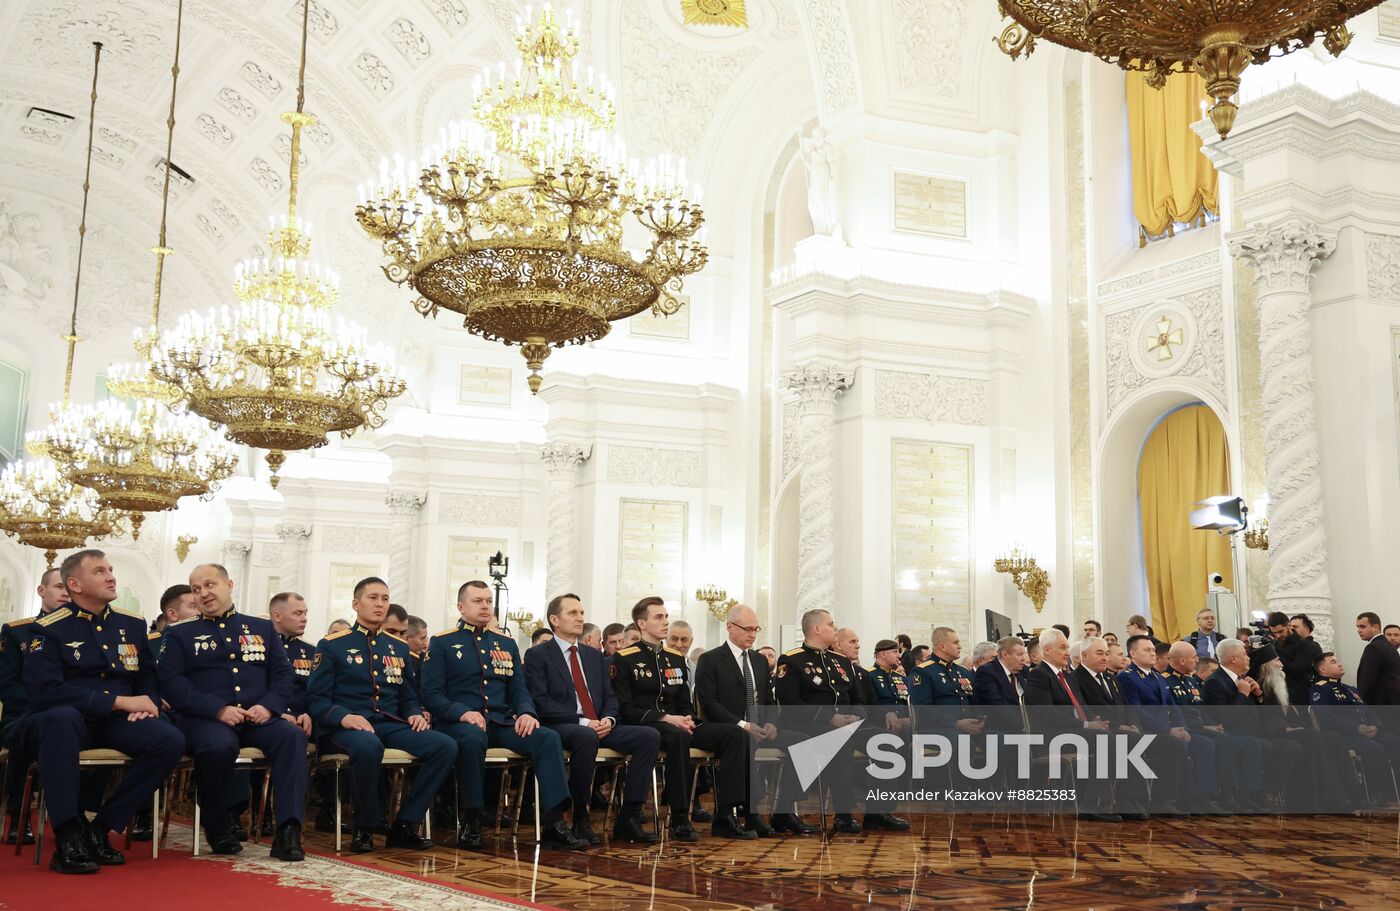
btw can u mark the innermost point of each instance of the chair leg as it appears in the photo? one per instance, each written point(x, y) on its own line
point(520, 802)
point(338, 808)
point(27, 795)
point(655, 801)
point(501, 801)
point(539, 831)
point(155, 822)
point(39, 829)
point(195, 852)
point(260, 815)
point(172, 789)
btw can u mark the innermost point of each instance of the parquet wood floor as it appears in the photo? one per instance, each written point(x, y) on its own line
point(986, 863)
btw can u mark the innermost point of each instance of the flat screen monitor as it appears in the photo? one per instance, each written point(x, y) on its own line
point(998, 626)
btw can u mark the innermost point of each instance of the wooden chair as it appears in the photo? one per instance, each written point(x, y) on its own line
point(510, 762)
point(400, 761)
point(87, 759)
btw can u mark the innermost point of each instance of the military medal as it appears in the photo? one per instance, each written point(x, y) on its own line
point(817, 679)
point(77, 656)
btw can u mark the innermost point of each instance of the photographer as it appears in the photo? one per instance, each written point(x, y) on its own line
point(1298, 652)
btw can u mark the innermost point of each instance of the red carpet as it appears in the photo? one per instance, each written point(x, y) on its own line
point(174, 880)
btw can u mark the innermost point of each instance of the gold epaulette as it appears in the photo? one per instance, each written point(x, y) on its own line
point(180, 622)
point(796, 651)
point(672, 651)
point(392, 636)
point(412, 653)
point(62, 613)
point(872, 668)
point(344, 632)
point(21, 621)
point(629, 650)
point(153, 634)
point(927, 663)
point(126, 613)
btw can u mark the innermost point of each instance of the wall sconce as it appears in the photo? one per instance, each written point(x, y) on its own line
point(717, 599)
point(1030, 579)
point(182, 546)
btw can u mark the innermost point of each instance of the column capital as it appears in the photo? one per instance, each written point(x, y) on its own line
point(1283, 252)
point(238, 548)
point(403, 502)
point(817, 384)
point(563, 458)
point(293, 533)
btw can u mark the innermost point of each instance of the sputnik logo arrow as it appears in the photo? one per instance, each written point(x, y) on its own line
point(811, 757)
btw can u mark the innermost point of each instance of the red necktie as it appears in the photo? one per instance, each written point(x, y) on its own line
point(1078, 709)
point(584, 699)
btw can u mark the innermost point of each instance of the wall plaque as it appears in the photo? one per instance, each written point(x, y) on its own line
point(929, 204)
point(931, 540)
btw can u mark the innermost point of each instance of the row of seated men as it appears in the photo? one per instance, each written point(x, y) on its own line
point(224, 680)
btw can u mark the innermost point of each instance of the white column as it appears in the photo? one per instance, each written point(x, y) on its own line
point(294, 538)
point(817, 386)
point(563, 461)
point(1283, 254)
point(234, 555)
point(403, 529)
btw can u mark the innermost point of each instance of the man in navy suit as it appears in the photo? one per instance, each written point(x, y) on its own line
point(995, 682)
point(573, 697)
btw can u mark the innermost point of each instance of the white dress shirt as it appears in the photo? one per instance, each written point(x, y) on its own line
point(564, 646)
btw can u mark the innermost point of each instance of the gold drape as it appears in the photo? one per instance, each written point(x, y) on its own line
point(1172, 181)
point(1185, 461)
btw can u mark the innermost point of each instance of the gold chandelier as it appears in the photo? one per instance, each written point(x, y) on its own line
point(1215, 39)
point(140, 457)
point(38, 506)
point(532, 253)
point(278, 371)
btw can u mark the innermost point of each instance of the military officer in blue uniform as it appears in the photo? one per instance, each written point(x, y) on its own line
point(888, 681)
point(287, 611)
point(1159, 714)
point(176, 604)
point(360, 698)
point(947, 682)
point(14, 700)
point(1340, 709)
point(474, 686)
point(1237, 758)
point(227, 677)
point(90, 675)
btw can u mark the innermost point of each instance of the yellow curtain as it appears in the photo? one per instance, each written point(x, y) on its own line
point(1172, 181)
point(1185, 461)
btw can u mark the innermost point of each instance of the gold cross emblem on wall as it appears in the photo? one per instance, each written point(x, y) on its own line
point(1165, 338)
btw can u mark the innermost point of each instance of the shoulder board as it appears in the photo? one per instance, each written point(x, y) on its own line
point(392, 636)
point(629, 650)
point(414, 654)
point(344, 632)
point(182, 622)
point(796, 651)
point(872, 668)
point(126, 613)
point(52, 617)
point(153, 635)
point(929, 663)
point(674, 652)
point(21, 622)
point(446, 632)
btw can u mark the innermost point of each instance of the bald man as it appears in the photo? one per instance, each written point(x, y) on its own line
point(848, 647)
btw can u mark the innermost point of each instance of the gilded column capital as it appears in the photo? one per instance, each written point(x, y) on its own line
point(1283, 253)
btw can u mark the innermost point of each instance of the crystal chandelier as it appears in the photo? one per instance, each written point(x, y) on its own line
point(140, 457)
point(278, 371)
point(1215, 39)
point(38, 506)
point(515, 220)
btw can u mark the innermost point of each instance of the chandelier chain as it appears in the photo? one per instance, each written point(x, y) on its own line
point(161, 249)
point(72, 337)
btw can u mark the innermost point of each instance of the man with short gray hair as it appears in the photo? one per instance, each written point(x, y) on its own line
point(982, 652)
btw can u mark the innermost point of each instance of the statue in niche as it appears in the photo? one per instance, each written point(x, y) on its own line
point(23, 262)
point(821, 182)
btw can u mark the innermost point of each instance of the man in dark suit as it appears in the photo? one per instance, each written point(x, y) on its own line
point(1232, 686)
point(573, 697)
point(1051, 687)
point(995, 682)
point(1378, 674)
point(731, 681)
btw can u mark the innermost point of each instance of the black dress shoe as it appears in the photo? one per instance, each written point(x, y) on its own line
point(13, 833)
point(727, 826)
point(585, 831)
point(225, 843)
point(700, 814)
point(266, 829)
point(682, 830)
point(469, 836)
point(846, 825)
point(886, 822)
point(99, 848)
point(560, 837)
point(362, 842)
point(325, 822)
point(791, 822)
point(142, 827)
point(629, 829)
point(235, 827)
point(69, 851)
point(403, 834)
point(760, 828)
point(286, 842)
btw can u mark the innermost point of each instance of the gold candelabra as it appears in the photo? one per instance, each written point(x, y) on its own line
point(1217, 40)
point(717, 600)
point(1031, 580)
point(515, 218)
point(1256, 537)
point(525, 621)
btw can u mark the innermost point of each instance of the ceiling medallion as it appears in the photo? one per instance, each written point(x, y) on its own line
point(728, 13)
point(515, 218)
point(1217, 40)
point(278, 371)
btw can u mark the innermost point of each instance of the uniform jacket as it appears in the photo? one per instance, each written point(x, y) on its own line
point(812, 676)
point(650, 681)
point(232, 659)
point(473, 669)
point(946, 683)
point(362, 672)
point(86, 660)
point(14, 640)
point(1341, 707)
point(1148, 688)
point(302, 655)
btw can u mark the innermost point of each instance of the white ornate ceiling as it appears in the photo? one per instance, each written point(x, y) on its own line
point(381, 77)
